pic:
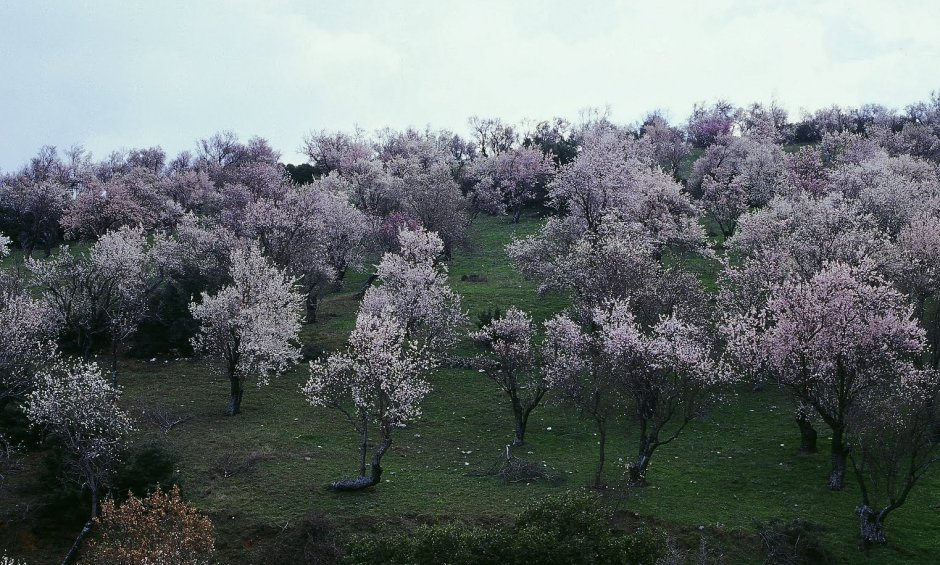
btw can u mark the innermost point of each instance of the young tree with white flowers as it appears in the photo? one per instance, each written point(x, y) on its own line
point(511, 363)
point(378, 383)
point(252, 324)
point(103, 295)
point(402, 328)
point(77, 406)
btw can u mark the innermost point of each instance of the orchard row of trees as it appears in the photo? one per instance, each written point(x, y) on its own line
point(828, 281)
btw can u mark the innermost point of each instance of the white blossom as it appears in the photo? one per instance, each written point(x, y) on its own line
point(414, 290)
point(251, 324)
point(75, 403)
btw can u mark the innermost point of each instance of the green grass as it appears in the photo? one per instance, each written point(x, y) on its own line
point(738, 465)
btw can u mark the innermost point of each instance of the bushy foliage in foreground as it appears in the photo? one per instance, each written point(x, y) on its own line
point(160, 528)
point(570, 528)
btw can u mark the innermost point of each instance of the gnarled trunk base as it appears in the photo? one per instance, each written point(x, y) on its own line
point(358, 483)
point(837, 474)
point(871, 525)
point(362, 481)
point(638, 470)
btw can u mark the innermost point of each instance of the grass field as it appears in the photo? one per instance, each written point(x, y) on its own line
point(261, 472)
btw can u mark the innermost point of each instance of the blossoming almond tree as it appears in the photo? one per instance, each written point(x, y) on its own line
point(27, 325)
point(793, 238)
point(402, 327)
point(616, 178)
point(31, 210)
point(313, 233)
point(832, 341)
point(512, 365)
point(414, 289)
point(894, 443)
point(512, 178)
point(667, 374)
point(578, 372)
point(377, 383)
point(75, 403)
point(103, 295)
point(252, 324)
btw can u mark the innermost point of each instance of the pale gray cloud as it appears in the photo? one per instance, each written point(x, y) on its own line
point(112, 74)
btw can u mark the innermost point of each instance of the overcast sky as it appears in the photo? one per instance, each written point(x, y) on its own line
point(122, 74)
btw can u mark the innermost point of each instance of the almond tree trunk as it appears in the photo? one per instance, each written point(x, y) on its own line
point(235, 397)
point(807, 434)
point(363, 481)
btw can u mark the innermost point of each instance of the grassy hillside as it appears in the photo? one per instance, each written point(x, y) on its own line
point(260, 473)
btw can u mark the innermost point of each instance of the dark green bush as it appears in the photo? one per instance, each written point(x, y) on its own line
point(571, 528)
point(793, 542)
point(144, 468)
point(311, 541)
point(487, 316)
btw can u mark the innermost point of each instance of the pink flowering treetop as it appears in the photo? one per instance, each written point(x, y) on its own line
point(206, 250)
point(737, 173)
point(616, 262)
point(407, 173)
point(125, 200)
point(511, 179)
point(795, 237)
point(805, 171)
point(661, 375)
point(414, 289)
point(710, 123)
point(31, 210)
point(918, 274)
point(430, 194)
point(252, 324)
point(668, 143)
point(847, 148)
point(511, 363)
point(313, 233)
point(614, 177)
point(893, 190)
point(832, 341)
